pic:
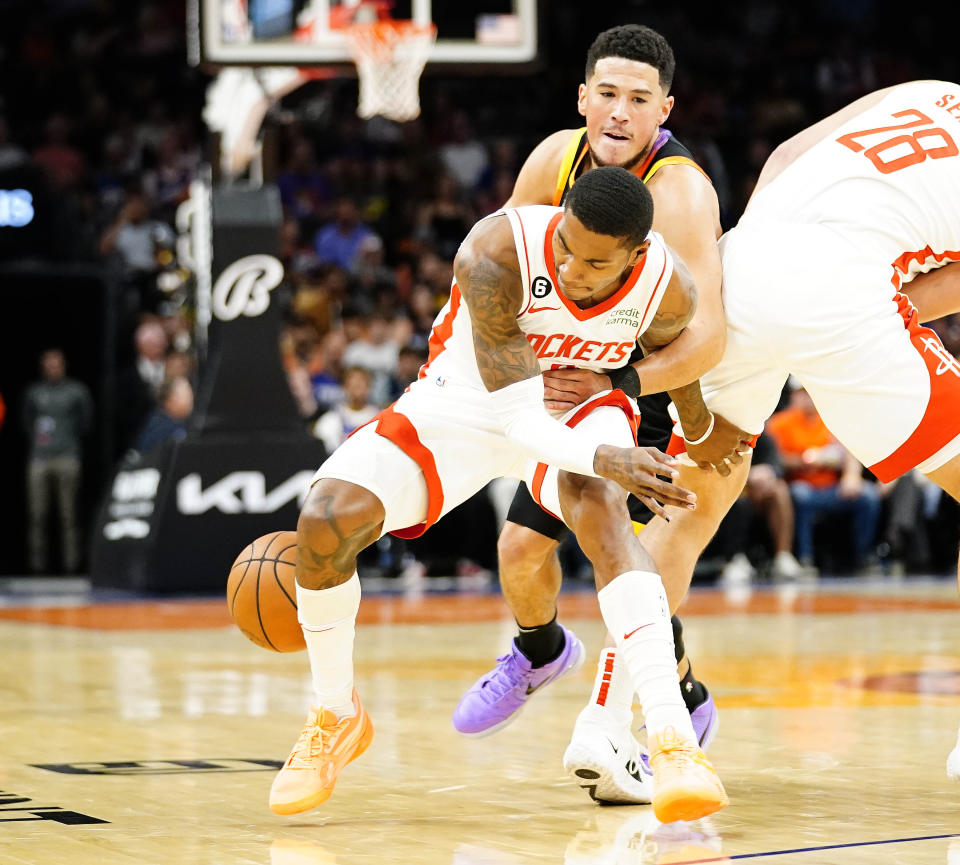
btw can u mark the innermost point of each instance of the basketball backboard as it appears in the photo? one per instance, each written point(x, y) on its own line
point(299, 32)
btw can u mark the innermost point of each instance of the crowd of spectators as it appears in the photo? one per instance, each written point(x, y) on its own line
point(109, 115)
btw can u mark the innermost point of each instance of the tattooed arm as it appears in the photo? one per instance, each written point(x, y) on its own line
point(488, 276)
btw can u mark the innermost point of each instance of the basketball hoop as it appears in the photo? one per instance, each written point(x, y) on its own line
point(390, 55)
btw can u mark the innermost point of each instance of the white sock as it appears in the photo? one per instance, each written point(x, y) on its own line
point(636, 612)
point(612, 688)
point(328, 617)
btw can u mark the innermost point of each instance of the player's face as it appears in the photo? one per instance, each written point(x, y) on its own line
point(624, 105)
point(589, 266)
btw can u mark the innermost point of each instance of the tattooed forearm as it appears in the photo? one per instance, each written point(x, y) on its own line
point(328, 547)
point(693, 412)
point(503, 354)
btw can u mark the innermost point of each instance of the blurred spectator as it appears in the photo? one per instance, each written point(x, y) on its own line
point(905, 539)
point(11, 153)
point(409, 360)
point(57, 416)
point(369, 277)
point(138, 241)
point(339, 241)
point(825, 479)
point(352, 412)
point(376, 350)
point(304, 190)
point(115, 174)
point(167, 182)
point(325, 380)
point(299, 345)
point(423, 311)
point(464, 156)
point(767, 495)
point(138, 382)
point(444, 220)
point(64, 165)
point(168, 420)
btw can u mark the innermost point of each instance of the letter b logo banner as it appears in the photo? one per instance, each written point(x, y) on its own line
point(243, 288)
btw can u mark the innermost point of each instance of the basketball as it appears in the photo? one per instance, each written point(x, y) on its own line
point(262, 593)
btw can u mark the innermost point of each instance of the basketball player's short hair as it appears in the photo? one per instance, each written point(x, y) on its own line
point(634, 42)
point(613, 201)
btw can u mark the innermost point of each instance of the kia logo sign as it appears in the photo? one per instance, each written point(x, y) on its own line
point(16, 208)
point(240, 492)
point(244, 287)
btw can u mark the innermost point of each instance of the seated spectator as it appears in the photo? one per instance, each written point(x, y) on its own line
point(444, 220)
point(766, 494)
point(409, 360)
point(422, 310)
point(376, 350)
point(64, 165)
point(325, 379)
point(370, 278)
point(168, 420)
point(465, 157)
point(339, 241)
point(824, 479)
point(333, 426)
point(304, 190)
point(167, 181)
point(905, 535)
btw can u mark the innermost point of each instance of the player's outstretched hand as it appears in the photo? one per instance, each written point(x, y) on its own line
point(640, 471)
point(725, 446)
point(564, 389)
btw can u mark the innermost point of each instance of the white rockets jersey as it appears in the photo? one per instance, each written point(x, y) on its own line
point(889, 179)
point(563, 335)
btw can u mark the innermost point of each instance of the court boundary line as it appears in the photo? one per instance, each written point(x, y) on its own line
point(817, 849)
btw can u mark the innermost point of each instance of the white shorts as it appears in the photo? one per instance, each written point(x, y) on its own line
point(811, 301)
point(442, 442)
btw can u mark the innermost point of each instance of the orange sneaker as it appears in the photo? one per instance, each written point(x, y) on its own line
point(686, 786)
point(325, 746)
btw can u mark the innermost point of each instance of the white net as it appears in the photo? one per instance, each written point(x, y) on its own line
point(390, 56)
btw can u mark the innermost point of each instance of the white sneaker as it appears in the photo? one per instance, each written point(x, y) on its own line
point(953, 762)
point(785, 566)
point(738, 571)
point(603, 757)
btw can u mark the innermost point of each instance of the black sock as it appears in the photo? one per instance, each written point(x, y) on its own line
point(694, 693)
point(541, 644)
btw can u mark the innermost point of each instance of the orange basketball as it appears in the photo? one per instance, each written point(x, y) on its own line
point(262, 593)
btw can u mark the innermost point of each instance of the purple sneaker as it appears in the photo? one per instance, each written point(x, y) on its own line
point(497, 697)
point(705, 722)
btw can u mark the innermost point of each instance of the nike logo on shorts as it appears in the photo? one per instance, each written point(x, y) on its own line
point(647, 625)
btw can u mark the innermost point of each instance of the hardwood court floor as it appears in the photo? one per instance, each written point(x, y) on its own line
point(148, 733)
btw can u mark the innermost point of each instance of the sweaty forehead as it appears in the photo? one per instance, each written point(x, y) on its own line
point(631, 74)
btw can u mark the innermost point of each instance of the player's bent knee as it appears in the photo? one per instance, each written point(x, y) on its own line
point(339, 519)
point(586, 499)
point(522, 548)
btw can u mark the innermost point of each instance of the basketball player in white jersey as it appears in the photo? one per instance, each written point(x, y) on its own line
point(534, 287)
point(626, 103)
point(848, 243)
